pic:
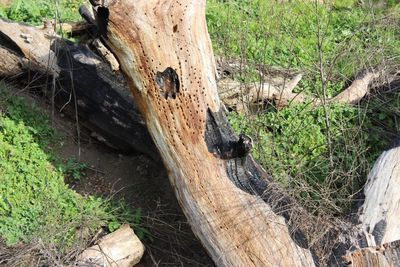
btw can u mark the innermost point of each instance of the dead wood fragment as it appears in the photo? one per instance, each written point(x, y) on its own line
point(379, 215)
point(358, 88)
point(386, 255)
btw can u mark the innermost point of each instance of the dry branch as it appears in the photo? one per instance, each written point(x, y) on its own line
point(358, 88)
point(239, 96)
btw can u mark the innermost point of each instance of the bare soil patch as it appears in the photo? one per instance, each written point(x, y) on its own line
point(141, 183)
point(144, 184)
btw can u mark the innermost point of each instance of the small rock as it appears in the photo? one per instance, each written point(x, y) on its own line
point(121, 248)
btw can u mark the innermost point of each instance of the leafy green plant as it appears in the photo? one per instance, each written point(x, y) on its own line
point(344, 3)
point(37, 122)
point(33, 193)
point(73, 169)
point(125, 214)
point(35, 201)
point(35, 11)
point(292, 144)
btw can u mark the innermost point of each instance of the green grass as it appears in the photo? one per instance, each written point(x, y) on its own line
point(35, 201)
point(320, 154)
point(35, 11)
point(286, 35)
point(292, 145)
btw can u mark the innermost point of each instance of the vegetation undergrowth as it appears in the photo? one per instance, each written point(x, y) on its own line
point(292, 34)
point(35, 202)
point(35, 11)
point(320, 154)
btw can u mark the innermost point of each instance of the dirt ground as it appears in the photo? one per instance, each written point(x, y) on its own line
point(142, 183)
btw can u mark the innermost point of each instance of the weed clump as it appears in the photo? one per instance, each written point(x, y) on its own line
point(321, 154)
point(35, 11)
point(35, 202)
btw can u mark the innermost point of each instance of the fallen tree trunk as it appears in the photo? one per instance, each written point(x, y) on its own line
point(378, 218)
point(185, 117)
point(165, 53)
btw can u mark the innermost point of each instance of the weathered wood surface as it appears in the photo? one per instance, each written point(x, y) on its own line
point(121, 248)
point(380, 214)
point(165, 53)
point(32, 43)
point(386, 255)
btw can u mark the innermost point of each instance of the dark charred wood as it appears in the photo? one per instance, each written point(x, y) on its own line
point(103, 102)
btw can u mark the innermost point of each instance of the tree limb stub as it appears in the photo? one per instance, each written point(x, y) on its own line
point(148, 37)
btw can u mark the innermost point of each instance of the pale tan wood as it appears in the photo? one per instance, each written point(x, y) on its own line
point(240, 96)
point(11, 64)
point(358, 88)
point(236, 228)
point(380, 213)
point(33, 44)
point(121, 248)
point(386, 255)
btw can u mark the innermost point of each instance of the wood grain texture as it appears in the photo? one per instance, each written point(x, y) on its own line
point(237, 228)
point(386, 255)
point(379, 215)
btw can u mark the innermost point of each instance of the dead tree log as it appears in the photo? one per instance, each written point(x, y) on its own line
point(378, 218)
point(177, 94)
point(165, 53)
point(78, 81)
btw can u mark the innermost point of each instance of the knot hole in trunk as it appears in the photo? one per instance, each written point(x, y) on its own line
point(168, 83)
